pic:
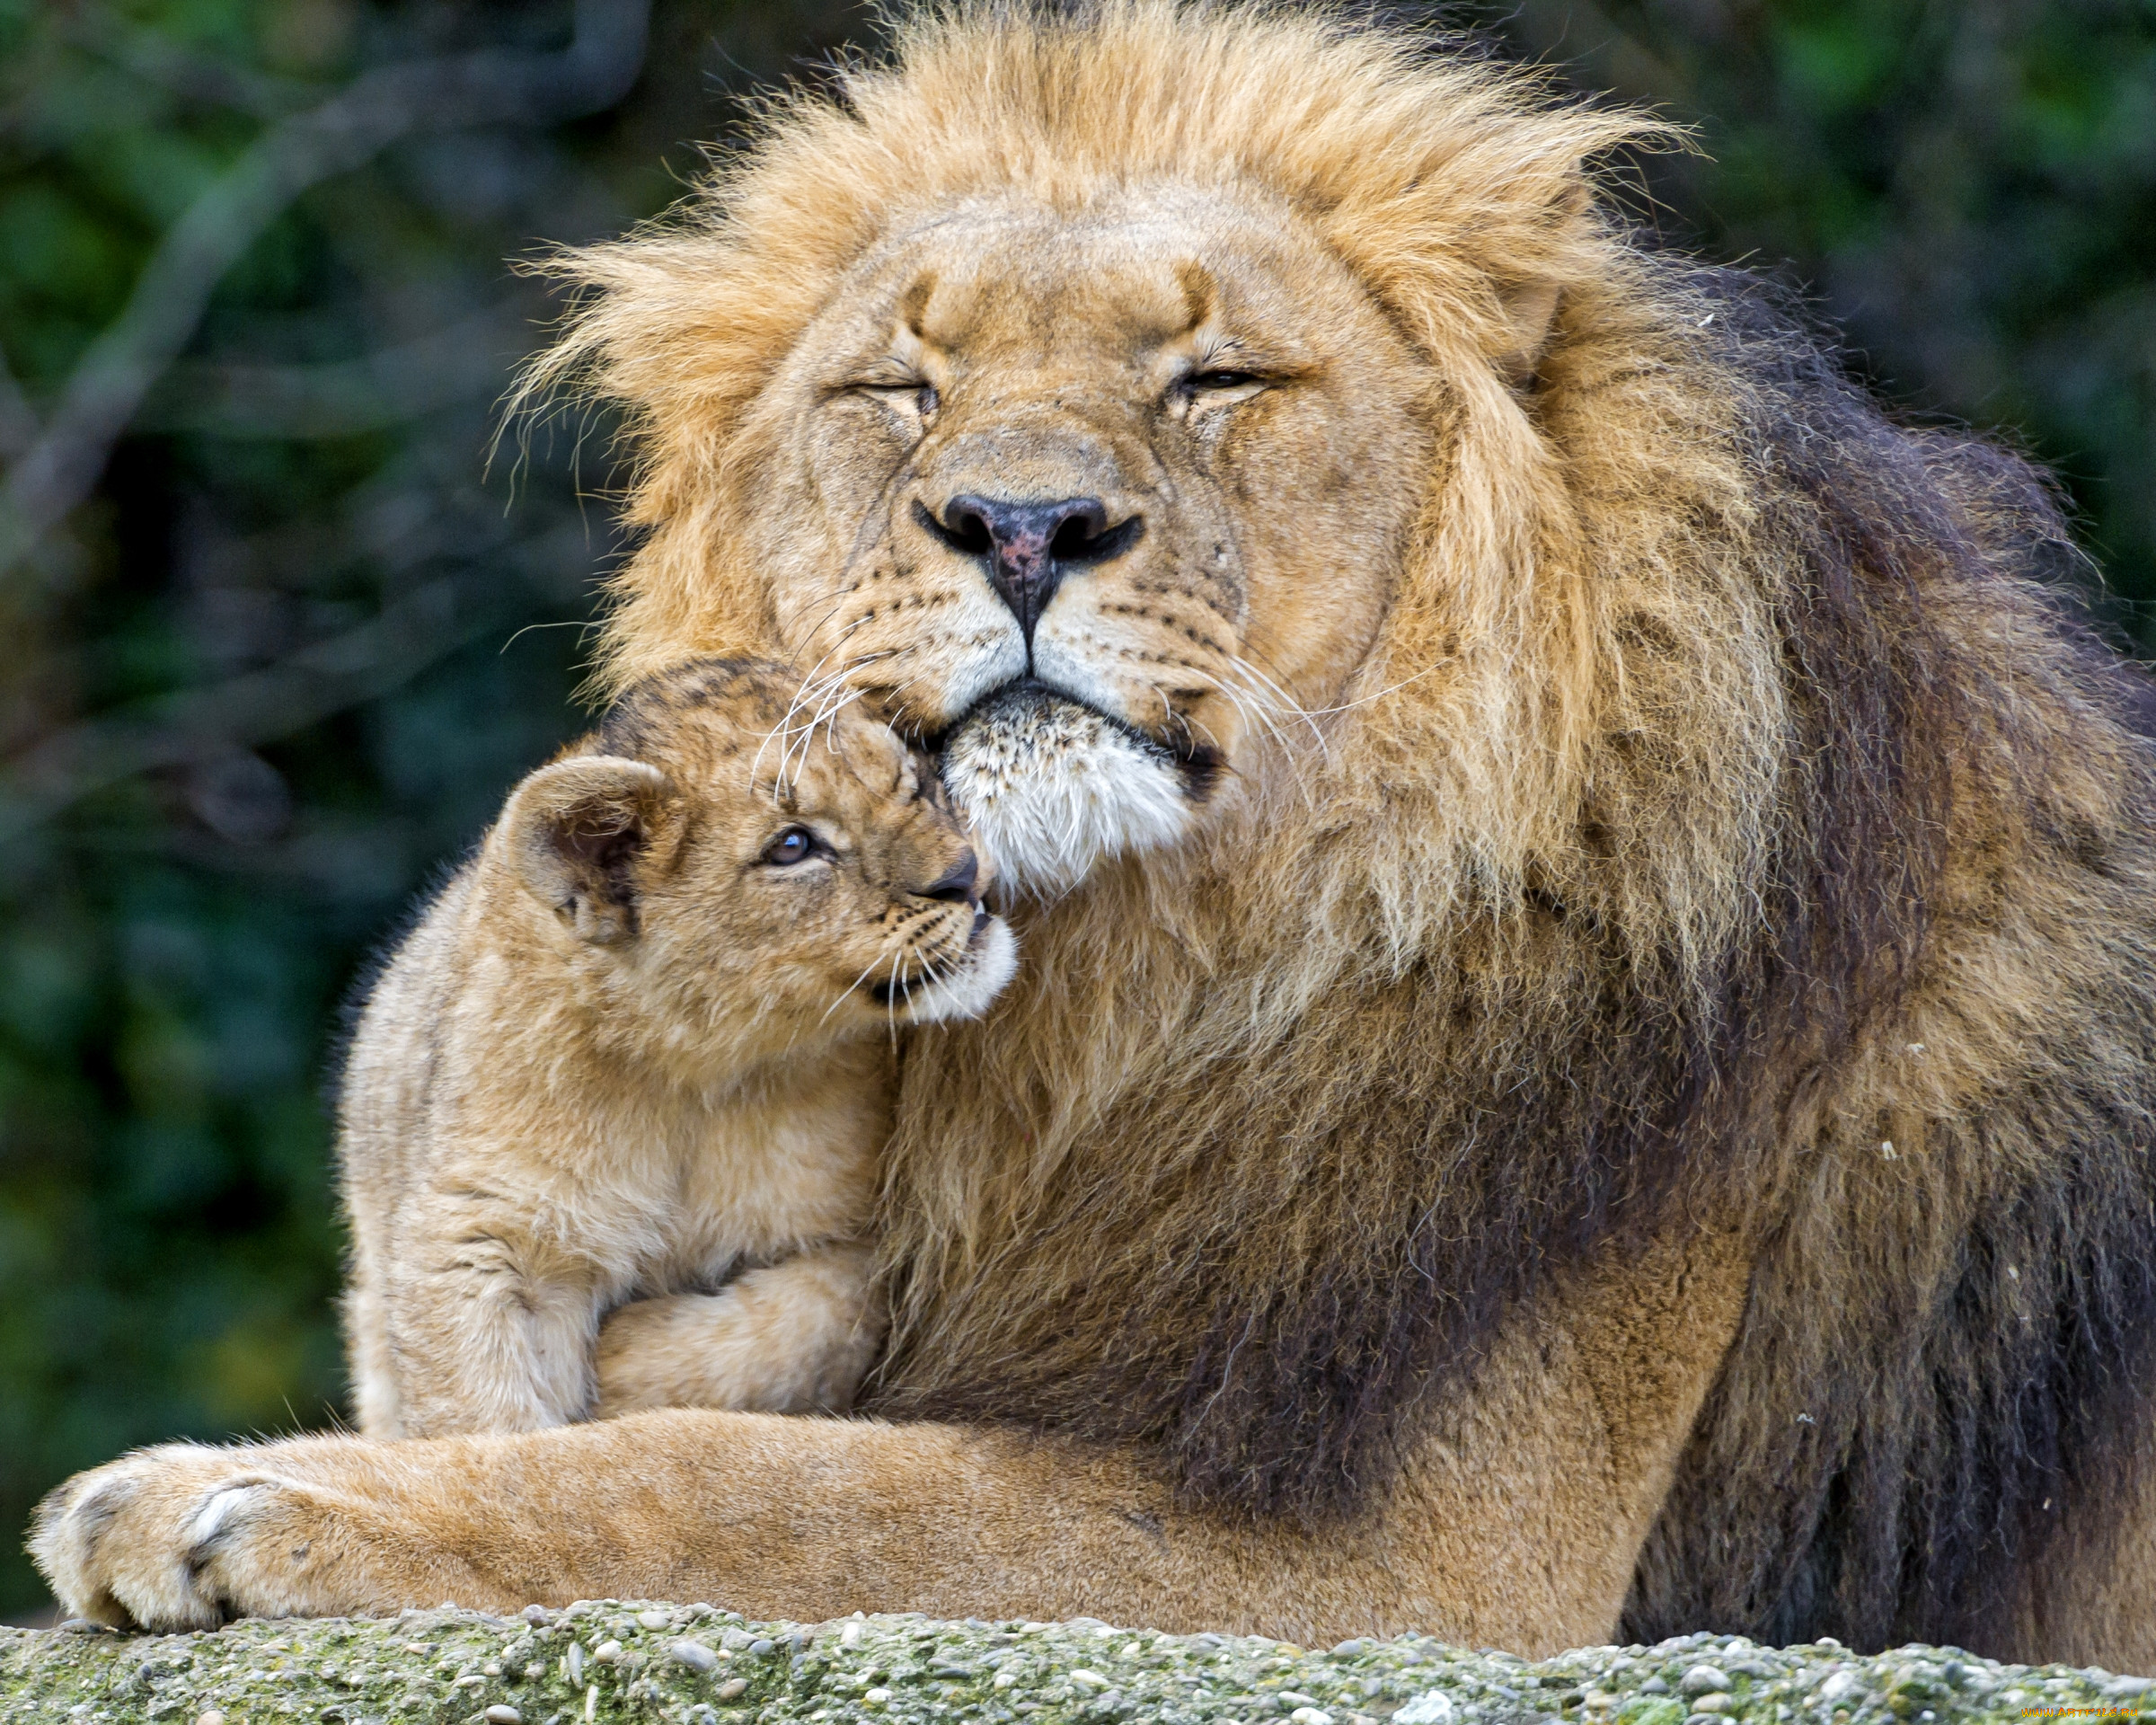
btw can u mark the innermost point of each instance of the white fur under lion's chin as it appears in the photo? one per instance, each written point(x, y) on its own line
point(1051, 790)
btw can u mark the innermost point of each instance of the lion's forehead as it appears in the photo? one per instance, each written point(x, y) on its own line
point(1117, 276)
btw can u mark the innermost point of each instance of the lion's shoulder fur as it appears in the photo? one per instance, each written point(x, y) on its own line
point(1734, 823)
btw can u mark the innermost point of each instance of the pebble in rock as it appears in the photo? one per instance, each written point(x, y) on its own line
point(1704, 1680)
point(696, 1656)
point(502, 1715)
point(213, 1717)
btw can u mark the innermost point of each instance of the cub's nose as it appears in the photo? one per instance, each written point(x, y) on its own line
point(1030, 546)
point(959, 885)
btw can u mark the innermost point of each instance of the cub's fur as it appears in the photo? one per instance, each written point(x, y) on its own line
point(643, 1040)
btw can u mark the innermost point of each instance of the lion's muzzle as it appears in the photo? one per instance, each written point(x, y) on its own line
point(1054, 787)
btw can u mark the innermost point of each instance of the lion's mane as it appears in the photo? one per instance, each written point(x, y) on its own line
point(1734, 825)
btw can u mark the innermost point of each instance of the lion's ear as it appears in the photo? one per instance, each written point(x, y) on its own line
point(1530, 301)
point(1530, 309)
point(581, 834)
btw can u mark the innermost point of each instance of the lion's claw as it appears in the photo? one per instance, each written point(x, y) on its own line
point(182, 1537)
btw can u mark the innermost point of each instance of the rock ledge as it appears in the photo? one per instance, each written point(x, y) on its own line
point(599, 1662)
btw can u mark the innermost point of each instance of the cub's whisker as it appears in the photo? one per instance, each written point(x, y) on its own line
point(848, 989)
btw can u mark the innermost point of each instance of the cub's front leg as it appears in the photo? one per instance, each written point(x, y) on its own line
point(490, 1329)
point(796, 1337)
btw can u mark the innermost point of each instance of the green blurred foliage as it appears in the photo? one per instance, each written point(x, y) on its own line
point(1967, 189)
point(271, 677)
point(299, 588)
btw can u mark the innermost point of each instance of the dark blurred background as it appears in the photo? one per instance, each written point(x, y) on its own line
point(274, 638)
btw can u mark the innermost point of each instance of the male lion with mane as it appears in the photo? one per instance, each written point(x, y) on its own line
point(1587, 1060)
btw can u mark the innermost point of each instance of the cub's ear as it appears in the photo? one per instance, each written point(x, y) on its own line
point(580, 834)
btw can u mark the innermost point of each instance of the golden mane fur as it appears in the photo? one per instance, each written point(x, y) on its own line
point(1729, 829)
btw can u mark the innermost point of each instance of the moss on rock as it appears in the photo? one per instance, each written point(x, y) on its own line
point(604, 1661)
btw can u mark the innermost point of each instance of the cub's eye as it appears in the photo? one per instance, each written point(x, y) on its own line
point(795, 845)
point(1221, 379)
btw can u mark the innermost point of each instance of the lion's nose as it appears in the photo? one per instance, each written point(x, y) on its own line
point(1031, 546)
point(959, 884)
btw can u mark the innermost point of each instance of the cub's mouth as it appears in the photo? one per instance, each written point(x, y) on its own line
point(1053, 786)
point(960, 990)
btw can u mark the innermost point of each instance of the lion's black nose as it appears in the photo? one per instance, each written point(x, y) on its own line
point(1031, 546)
point(959, 884)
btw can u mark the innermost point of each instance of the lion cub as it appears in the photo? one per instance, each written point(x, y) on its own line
point(639, 1046)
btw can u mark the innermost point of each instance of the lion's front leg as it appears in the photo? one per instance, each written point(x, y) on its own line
point(773, 1516)
point(1517, 1521)
point(187, 1536)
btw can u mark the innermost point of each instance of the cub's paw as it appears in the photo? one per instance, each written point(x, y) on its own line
point(182, 1537)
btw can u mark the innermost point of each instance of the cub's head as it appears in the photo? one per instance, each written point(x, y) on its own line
point(751, 872)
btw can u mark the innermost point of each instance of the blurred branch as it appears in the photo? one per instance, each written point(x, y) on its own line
point(388, 387)
point(18, 419)
point(323, 678)
point(191, 75)
point(488, 87)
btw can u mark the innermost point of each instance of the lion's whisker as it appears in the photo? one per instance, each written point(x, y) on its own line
point(802, 696)
point(807, 694)
point(834, 700)
point(816, 693)
point(1363, 701)
point(828, 717)
point(1256, 710)
point(1287, 702)
point(807, 678)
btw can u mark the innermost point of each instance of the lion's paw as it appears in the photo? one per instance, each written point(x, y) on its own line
point(177, 1538)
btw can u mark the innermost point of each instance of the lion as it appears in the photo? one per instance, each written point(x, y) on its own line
point(1587, 1061)
point(636, 1058)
